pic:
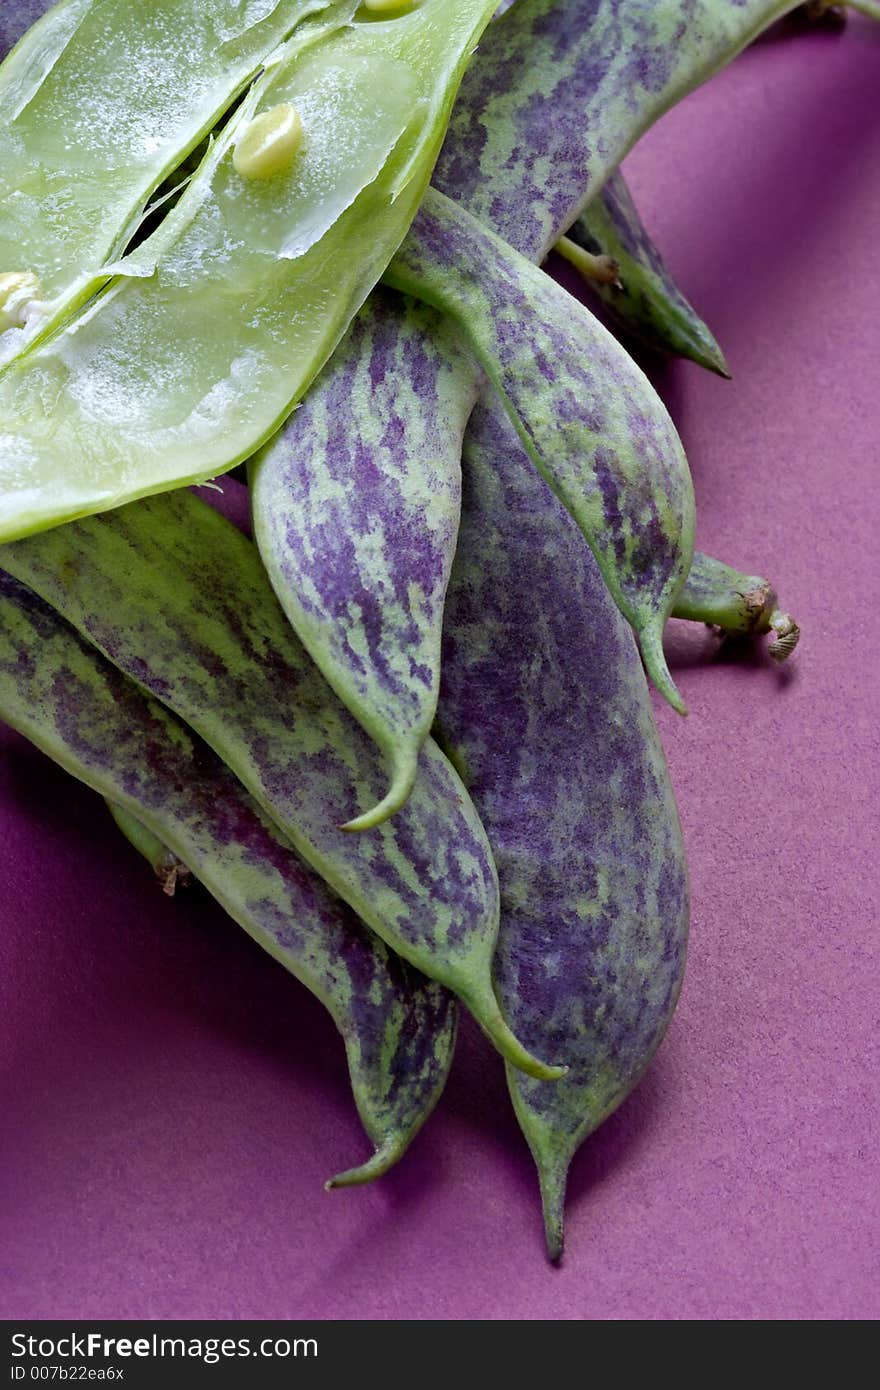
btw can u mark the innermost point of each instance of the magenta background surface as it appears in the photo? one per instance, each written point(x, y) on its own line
point(171, 1101)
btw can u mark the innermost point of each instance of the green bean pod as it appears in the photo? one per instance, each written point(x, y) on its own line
point(140, 392)
point(99, 101)
point(178, 599)
point(398, 1028)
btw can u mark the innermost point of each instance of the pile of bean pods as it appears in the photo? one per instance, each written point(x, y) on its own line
point(404, 735)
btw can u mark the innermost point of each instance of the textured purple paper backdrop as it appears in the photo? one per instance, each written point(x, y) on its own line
point(171, 1100)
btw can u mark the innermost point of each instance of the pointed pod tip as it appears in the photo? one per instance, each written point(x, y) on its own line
point(720, 368)
point(550, 1071)
point(651, 645)
point(673, 698)
point(687, 335)
point(553, 1186)
point(491, 1020)
point(394, 800)
point(709, 355)
point(512, 1049)
point(691, 338)
point(385, 1157)
point(518, 1056)
point(555, 1247)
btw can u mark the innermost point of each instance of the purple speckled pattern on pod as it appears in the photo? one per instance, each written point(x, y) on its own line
point(171, 1100)
point(617, 203)
point(591, 421)
point(15, 17)
point(519, 56)
point(532, 141)
point(545, 708)
point(177, 598)
point(398, 1027)
point(356, 506)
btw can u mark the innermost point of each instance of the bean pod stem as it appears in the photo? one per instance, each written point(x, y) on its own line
point(737, 604)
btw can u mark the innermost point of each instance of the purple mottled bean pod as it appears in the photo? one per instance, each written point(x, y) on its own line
point(562, 90)
point(591, 421)
point(398, 1027)
point(556, 95)
point(558, 91)
point(178, 600)
point(544, 706)
point(16, 17)
point(356, 506)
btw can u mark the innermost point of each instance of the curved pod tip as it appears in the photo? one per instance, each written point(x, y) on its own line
point(491, 1020)
point(404, 777)
point(651, 647)
point(385, 1157)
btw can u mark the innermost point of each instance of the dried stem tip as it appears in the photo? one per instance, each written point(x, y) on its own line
point(786, 638)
